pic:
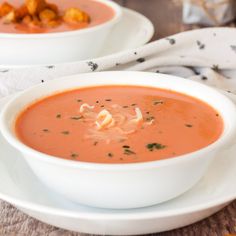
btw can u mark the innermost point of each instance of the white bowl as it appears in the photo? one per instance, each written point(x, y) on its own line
point(121, 186)
point(51, 48)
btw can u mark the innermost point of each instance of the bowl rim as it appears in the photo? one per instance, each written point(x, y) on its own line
point(117, 16)
point(11, 137)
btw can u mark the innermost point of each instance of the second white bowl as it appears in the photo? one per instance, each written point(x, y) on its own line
point(52, 48)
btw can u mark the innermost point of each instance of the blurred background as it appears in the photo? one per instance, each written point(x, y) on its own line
point(173, 16)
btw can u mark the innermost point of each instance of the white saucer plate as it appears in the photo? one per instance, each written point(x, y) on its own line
point(20, 187)
point(134, 30)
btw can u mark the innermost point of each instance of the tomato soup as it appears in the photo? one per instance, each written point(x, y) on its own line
point(118, 124)
point(98, 12)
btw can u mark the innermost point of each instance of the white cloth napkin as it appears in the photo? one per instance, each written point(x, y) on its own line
point(206, 55)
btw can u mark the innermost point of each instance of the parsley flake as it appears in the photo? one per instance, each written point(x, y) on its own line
point(156, 102)
point(128, 152)
point(189, 125)
point(110, 154)
point(76, 117)
point(65, 132)
point(150, 118)
point(74, 155)
point(153, 146)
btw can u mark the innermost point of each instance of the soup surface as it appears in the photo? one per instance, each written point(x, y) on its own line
point(118, 124)
point(98, 12)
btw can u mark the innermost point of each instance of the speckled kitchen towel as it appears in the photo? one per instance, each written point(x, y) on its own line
point(207, 55)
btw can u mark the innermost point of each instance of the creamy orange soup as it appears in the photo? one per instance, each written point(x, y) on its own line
point(99, 13)
point(118, 124)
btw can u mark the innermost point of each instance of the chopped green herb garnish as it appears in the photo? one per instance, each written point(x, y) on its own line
point(74, 155)
point(76, 117)
point(45, 130)
point(128, 152)
point(156, 102)
point(160, 146)
point(79, 100)
point(153, 146)
point(58, 116)
point(150, 145)
point(110, 154)
point(126, 146)
point(188, 125)
point(150, 118)
point(65, 132)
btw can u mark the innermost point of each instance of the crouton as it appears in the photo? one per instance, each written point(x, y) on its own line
point(47, 15)
point(75, 15)
point(53, 23)
point(9, 18)
point(35, 22)
point(53, 7)
point(5, 9)
point(35, 6)
point(27, 20)
point(21, 13)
